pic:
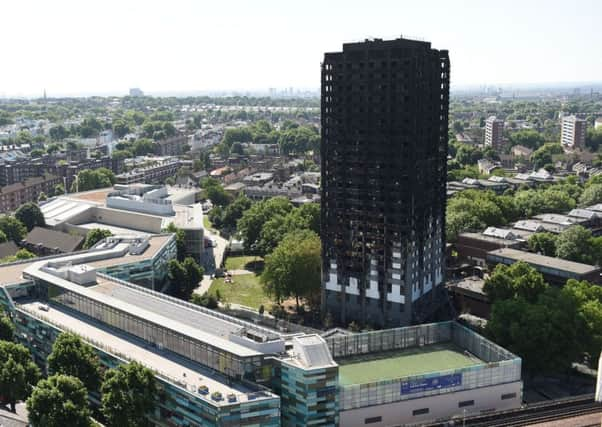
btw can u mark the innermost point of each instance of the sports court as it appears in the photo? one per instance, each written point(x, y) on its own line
point(414, 361)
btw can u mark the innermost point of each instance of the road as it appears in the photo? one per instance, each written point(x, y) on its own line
point(212, 258)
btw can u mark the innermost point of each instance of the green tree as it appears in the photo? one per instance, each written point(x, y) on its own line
point(215, 192)
point(92, 179)
point(144, 146)
point(528, 138)
point(574, 244)
point(128, 395)
point(591, 195)
point(593, 139)
point(543, 155)
point(518, 280)
point(37, 152)
point(544, 334)
point(7, 329)
point(71, 356)
point(194, 274)
point(185, 276)
point(253, 219)
point(293, 268)
point(94, 236)
point(120, 128)
point(589, 298)
point(30, 215)
point(58, 133)
point(306, 217)
point(230, 215)
point(205, 300)
point(180, 240)
point(12, 228)
point(24, 254)
point(52, 148)
point(177, 276)
point(59, 189)
point(18, 373)
point(121, 154)
point(543, 243)
point(3, 238)
point(59, 401)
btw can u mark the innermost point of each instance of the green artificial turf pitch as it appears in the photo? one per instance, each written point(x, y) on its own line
point(412, 361)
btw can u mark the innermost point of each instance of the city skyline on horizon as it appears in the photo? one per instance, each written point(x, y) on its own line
point(106, 48)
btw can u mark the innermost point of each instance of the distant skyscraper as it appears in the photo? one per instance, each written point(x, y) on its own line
point(136, 92)
point(384, 151)
point(573, 132)
point(494, 133)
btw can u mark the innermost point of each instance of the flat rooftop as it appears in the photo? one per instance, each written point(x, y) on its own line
point(196, 319)
point(116, 230)
point(13, 273)
point(98, 196)
point(398, 364)
point(544, 261)
point(181, 371)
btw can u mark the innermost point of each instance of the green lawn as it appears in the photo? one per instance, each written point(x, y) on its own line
point(246, 290)
point(251, 263)
point(414, 361)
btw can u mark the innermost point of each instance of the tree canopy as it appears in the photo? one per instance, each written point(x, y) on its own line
point(30, 215)
point(591, 195)
point(527, 137)
point(128, 395)
point(12, 228)
point(7, 329)
point(575, 244)
point(227, 217)
point(293, 268)
point(94, 236)
point(18, 372)
point(543, 243)
point(184, 276)
point(253, 220)
point(544, 333)
point(59, 401)
point(92, 179)
point(518, 280)
point(71, 356)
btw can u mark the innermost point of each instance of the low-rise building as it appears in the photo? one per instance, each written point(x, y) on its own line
point(159, 169)
point(173, 146)
point(554, 270)
point(521, 151)
point(130, 210)
point(486, 166)
point(44, 241)
point(468, 296)
point(474, 247)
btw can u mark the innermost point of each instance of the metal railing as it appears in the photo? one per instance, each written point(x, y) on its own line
point(190, 389)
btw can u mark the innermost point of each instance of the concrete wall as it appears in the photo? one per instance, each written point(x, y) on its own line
point(126, 219)
point(440, 406)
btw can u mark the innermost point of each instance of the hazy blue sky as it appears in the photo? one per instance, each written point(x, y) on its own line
point(90, 46)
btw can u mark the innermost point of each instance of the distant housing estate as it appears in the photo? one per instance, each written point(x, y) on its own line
point(14, 195)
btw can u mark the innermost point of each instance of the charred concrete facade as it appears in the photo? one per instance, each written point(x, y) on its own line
point(384, 148)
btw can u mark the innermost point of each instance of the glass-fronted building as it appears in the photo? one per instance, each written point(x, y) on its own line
point(217, 370)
